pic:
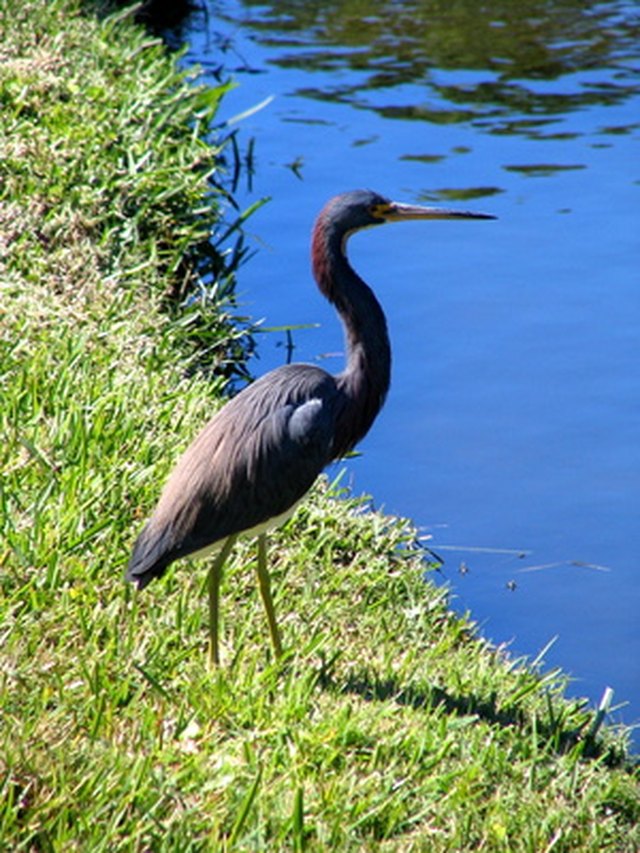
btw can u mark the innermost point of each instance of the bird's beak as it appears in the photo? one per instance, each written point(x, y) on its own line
point(396, 211)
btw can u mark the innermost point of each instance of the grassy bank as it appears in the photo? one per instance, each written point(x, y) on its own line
point(389, 725)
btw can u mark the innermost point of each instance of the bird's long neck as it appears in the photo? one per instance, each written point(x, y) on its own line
point(365, 380)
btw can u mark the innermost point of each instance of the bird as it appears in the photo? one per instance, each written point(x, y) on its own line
point(255, 460)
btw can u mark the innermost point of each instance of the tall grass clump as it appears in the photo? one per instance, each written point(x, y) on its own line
point(389, 725)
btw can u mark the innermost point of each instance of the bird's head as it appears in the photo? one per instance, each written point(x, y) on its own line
point(358, 209)
point(345, 214)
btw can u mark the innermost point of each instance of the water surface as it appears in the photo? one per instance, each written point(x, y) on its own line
point(512, 430)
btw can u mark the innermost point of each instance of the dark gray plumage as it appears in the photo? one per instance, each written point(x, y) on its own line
point(260, 454)
point(267, 446)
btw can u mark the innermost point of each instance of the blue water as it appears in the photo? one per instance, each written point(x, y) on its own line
point(512, 431)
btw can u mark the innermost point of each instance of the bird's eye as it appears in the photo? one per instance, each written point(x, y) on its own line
point(379, 210)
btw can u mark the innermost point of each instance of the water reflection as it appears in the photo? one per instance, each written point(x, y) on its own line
point(542, 169)
point(501, 65)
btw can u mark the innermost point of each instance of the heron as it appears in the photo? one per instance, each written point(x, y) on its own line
point(258, 456)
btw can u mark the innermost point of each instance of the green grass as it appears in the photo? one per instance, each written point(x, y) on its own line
point(389, 725)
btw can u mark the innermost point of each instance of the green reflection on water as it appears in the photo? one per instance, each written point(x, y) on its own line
point(459, 193)
point(479, 63)
point(537, 170)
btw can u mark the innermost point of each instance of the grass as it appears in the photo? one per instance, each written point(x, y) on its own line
point(389, 725)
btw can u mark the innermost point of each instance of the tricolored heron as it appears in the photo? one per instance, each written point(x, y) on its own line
point(259, 455)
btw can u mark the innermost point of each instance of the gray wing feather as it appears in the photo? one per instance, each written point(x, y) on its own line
point(252, 462)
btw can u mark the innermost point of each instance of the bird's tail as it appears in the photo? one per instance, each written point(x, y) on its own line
point(149, 559)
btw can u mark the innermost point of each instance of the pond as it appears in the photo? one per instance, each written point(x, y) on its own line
point(512, 430)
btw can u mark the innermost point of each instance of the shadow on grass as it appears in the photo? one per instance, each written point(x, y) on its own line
point(554, 734)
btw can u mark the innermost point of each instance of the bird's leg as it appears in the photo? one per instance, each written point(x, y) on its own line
point(265, 592)
point(214, 580)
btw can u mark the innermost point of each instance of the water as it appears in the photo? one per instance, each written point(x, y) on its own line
point(512, 430)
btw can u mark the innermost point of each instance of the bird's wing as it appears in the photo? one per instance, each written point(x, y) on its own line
point(253, 462)
point(280, 461)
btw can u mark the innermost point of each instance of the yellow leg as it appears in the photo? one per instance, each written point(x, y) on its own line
point(215, 578)
point(265, 592)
